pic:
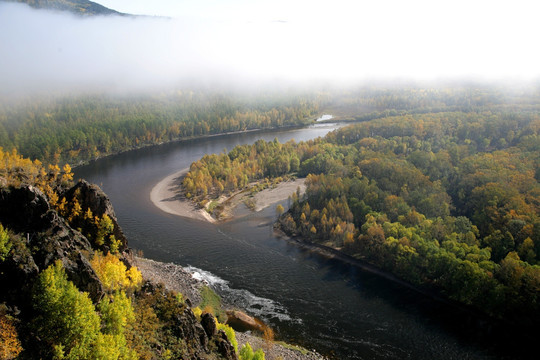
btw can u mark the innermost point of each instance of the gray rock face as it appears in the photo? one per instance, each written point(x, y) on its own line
point(91, 197)
point(25, 210)
point(40, 237)
point(209, 324)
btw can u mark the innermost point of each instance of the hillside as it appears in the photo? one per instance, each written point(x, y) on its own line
point(69, 288)
point(78, 7)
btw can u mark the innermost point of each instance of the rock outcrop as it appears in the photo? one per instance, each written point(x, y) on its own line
point(39, 236)
point(209, 324)
point(90, 196)
point(223, 345)
point(202, 339)
point(44, 238)
point(22, 209)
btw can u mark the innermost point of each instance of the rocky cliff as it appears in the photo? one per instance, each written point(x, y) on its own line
point(40, 236)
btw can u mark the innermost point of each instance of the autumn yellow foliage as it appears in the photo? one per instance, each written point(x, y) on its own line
point(10, 345)
point(114, 274)
point(16, 170)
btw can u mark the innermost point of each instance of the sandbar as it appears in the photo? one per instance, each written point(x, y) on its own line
point(167, 196)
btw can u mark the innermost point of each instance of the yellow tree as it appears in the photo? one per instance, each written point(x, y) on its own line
point(10, 346)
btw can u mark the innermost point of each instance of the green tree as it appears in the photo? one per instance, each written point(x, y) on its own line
point(117, 317)
point(5, 243)
point(66, 320)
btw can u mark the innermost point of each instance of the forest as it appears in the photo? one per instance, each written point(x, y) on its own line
point(77, 129)
point(439, 186)
point(448, 201)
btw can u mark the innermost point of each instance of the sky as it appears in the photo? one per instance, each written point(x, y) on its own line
point(250, 41)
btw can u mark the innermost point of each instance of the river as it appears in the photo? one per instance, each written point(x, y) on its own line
point(334, 308)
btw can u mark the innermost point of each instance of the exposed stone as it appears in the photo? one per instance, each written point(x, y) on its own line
point(209, 324)
point(173, 276)
point(17, 273)
point(22, 209)
point(90, 196)
point(275, 350)
point(224, 347)
point(193, 331)
point(41, 237)
point(25, 210)
point(241, 321)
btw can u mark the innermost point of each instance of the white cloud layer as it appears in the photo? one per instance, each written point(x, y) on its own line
point(256, 42)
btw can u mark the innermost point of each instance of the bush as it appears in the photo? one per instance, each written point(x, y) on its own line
point(5, 243)
point(113, 273)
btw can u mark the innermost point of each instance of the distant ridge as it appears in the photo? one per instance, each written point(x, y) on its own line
point(78, 7)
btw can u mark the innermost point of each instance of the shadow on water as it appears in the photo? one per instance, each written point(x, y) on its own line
point(483, 337)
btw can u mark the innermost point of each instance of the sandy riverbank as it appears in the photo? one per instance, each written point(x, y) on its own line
point(167, 196)
point(281, 192)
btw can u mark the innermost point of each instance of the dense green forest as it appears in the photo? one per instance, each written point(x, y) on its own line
point(81, 128)
point(449, 201)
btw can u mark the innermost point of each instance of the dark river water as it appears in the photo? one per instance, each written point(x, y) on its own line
point(337, 309)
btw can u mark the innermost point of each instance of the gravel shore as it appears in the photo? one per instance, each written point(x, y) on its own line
point(173, 276)
point(176, 278)
point(275, 351)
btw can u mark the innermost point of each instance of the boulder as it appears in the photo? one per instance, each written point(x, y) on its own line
point(241, 321)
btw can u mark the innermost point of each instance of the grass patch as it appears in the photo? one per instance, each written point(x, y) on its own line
point(212, 206)
point(211, 302)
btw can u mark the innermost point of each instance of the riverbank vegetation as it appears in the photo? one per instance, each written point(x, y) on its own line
point(438, 186)
point(449, 201)
point(80, 128)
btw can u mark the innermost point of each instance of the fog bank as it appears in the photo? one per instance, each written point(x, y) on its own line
point(48, 51)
